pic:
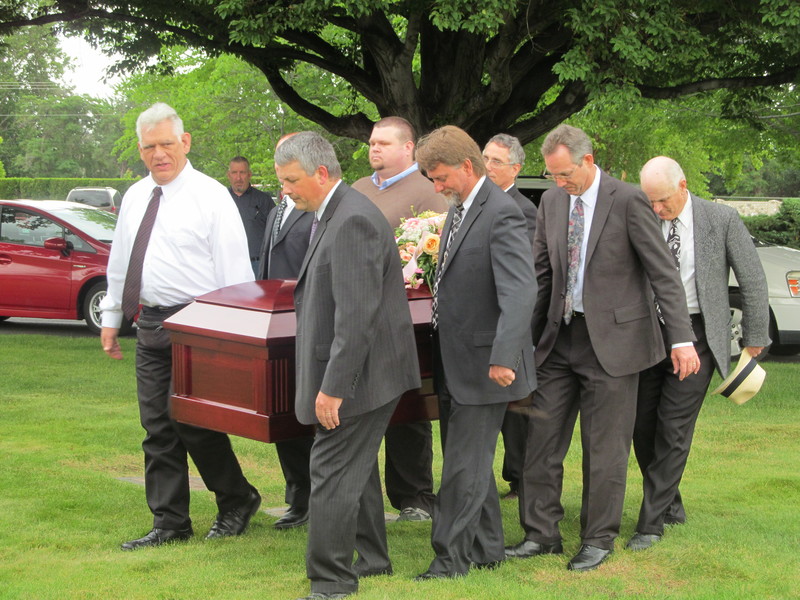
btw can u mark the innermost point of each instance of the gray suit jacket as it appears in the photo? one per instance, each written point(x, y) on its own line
point(289, 250)
point(486, 294)
point(355, 339)
point(626, 255)
point(528, 209)
point(721, 242)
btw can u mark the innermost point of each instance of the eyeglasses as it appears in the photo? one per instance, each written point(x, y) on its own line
point(493, 162)
point(561, 176)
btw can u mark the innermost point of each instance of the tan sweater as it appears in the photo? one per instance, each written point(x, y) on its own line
point(397, 200)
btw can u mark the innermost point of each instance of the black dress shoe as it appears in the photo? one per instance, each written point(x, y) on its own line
point(235, 521)
point(528, 548)
point(321, 596)
point(157, 537)
point(294, 517)
point(431, 575)
point(642, 541)
point(588, 558)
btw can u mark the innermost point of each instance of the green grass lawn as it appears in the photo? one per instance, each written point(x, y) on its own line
point(70, 432)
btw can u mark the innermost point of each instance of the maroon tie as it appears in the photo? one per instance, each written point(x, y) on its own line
point(133, 278)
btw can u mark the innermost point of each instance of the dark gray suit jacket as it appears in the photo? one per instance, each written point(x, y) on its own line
point(486, 294)
point(626, 255)
point(722, 243)
point(355, 338)
point(289, 250)
point(528, 209)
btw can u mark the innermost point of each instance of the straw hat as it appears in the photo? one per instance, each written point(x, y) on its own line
point(744, 381)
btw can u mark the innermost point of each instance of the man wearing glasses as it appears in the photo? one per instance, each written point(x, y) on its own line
point(503, 156)
point(599, 256)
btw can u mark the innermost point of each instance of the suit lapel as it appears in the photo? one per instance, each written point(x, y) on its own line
point(561, 227)
point(703, 251)
point(605, 200)
point(474, 210)
point(294, 214)
point(322, 226)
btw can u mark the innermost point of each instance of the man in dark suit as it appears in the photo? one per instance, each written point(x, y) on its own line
point(282, 253)
point(356, 355)
point(599, 256)
point(254, 205)
point(481, 315)
point(706, 240)
point(504, 156)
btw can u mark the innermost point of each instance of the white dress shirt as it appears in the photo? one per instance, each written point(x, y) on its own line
point(198, 243)
point(686, 233)
point(589, 199)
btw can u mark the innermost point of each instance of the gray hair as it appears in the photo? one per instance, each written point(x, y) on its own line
point(156, 114)
point(311, 150)
point(575, 140)
point(668, 168)
point(515, 152)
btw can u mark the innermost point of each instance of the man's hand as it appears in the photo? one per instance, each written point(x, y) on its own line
point(754, 350)
point(327, 408)
point(109, 338)
point(685, 361)
point(502, 376)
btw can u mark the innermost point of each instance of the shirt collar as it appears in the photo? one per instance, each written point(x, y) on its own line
point(589, 196)
point(468, 202)
point(321, 210)
point(387, 182)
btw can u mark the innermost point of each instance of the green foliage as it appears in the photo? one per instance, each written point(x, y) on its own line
point(12, 188)
point(782, 228)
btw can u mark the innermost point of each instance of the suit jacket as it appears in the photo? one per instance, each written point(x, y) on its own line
point(528, 209)
point(721, 242)
point(355, 338)
point(289, 250)
point(485, 300)
point(626, 255)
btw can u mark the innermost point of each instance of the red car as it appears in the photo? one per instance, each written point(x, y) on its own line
point(53, 258)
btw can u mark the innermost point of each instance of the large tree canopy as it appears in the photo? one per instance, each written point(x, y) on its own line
point(488, 66)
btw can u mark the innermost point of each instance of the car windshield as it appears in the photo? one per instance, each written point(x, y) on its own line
point(99, 224)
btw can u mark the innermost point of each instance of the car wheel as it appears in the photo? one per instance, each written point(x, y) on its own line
point(91, 306)
point(736, 325)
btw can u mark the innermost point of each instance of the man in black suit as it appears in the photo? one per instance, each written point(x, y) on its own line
point(599, 257)
point(484, 293)
point(254, 205)
point(282, 253)
point(355, 356)
point(503, 156)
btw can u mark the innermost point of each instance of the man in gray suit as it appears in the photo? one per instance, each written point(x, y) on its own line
point(599, 255)
point(504, 156)
point(481, 316)
point(707, 241)
point(282, 253)
point(356, 355)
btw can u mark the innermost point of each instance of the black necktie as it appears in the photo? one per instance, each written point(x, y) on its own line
point(133, 278)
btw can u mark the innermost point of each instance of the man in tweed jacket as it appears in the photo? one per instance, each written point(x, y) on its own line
point(708, 240)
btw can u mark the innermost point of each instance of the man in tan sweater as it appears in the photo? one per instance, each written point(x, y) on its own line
point(399, 190)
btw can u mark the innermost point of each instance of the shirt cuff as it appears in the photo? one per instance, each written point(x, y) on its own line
point(682, 345)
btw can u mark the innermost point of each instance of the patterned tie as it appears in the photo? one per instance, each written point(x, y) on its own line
point(314, 224)
point(133, 278)
point(674, 242)
point(574, 243)
point(276, 229)
point(458, 216)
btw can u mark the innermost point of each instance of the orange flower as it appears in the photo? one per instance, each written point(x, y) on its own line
point(430, 244)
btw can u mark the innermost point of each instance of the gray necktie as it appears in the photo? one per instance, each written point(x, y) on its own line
point(458, 216)
point(574, 243)
point(276, 229)
point(133, 278)
point(314, 224)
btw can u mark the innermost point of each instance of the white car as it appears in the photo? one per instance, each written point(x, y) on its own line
point(782, 268)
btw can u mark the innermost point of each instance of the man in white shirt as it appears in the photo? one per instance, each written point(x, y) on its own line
point(179, 235)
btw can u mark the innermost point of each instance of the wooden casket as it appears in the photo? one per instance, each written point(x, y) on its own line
point(233, 362)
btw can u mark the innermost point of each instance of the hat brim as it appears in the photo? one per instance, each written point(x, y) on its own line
point(744, 381)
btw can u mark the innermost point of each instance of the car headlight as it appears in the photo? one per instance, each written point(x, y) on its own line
point(793, 281)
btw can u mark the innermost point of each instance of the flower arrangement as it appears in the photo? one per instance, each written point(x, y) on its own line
point(418, 242)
